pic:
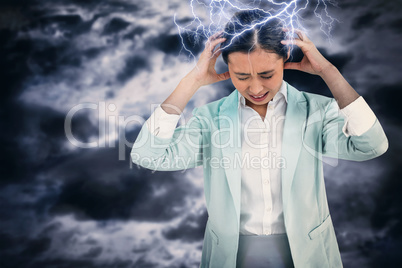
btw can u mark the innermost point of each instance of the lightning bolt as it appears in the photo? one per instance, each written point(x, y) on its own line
point(209, 17)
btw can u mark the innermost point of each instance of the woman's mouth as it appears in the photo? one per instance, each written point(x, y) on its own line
point(259, 97)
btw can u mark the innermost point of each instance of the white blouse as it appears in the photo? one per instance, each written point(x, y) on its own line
point(261, 210)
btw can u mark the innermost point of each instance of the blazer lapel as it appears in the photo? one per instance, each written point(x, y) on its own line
point(293, 133)
point(230, 142)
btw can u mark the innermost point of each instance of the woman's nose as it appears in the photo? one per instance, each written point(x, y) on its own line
point(256, 87)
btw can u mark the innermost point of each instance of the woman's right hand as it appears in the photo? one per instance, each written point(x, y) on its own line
point(204, 72)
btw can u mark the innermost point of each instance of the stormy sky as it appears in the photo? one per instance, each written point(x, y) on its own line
point(78, 79)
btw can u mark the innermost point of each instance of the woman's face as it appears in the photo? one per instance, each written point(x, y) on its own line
point(257, 75)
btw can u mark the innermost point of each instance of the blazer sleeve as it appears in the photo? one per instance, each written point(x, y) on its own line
point(182, 151)
point(336, 144)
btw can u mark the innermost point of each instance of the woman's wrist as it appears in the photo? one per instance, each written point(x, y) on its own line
point(329, 72)
point(178, 99)
point(342, 91)
point(191, 81)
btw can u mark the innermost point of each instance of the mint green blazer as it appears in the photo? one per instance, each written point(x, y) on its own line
point(312, 129)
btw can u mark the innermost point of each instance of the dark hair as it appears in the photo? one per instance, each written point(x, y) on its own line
point(247, 31)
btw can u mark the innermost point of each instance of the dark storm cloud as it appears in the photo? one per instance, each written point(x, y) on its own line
point(126, 194)
point(71, 262)
point(45, 47)
point(48, 56)
point(47, 59)
point(21, 57)
point(366, 20)
point(386, 219)
point(168, 43)
point(43, 128)
point(69, 25)
point(133, 65)
point(172, 44)
point(93, 253)
point(191, 228)
point(387, 99)
point(137, 31)
point(13, 67)
point(25, 56)
point(385, 249)
point(13, 17)
point(105, 6)
point(34, 249)
point(360, 6)
point(396, 25)
point(114, 26)
point(96, 186)
point(130, 196)
point(22, 249)
point(88, 184)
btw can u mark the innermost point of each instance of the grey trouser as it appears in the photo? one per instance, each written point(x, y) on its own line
point(264, 251)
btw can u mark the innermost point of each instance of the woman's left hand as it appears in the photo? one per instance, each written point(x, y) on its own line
point(313, 61)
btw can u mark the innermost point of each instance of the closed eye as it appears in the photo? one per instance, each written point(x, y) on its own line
point(266, 77)
point(263, 77)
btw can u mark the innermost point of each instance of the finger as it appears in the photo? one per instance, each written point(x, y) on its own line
point(292, 66)
point(217, 41)
point(215, 36)
point(214, 43)
point(217, 52)
point(301, 34)
point(285, 29)
point(294, 41)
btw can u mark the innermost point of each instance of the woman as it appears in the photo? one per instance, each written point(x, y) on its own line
point(261, 147)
